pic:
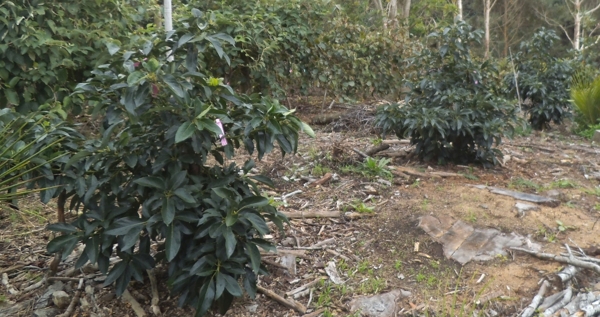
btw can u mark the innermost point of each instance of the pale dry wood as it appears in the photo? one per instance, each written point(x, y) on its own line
point(561, 259)
point(312, 214)
point(315, 313)
point(327, 177)
point(273, 263)
point(361, 153)
point(305, 286)
point(561, 303)
point(358, 215)
point(376, 149)
point(324, 242)
point(536, 301)
point(135, 305)
point(285, 302)
point(391, 142)
point(335, 253)
point(446, 174)
point(71, 308)
point(413, 172)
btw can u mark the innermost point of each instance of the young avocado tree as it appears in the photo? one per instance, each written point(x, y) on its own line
point(453, 112)
point(544, 80)
point(165, 168)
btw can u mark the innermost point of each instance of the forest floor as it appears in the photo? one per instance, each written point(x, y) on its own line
point(373, 238)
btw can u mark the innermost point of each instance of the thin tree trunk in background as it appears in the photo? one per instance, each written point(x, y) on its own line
point(577, 25)
point(460, 9)
point(487, 8)
point(505, 28)
point(406, 11)
point(393, 12)
point(168, 20)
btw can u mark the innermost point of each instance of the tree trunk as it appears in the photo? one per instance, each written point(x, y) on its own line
point(460, 9)
point(505, 28)
point(577, 26)
point(486, 17)
point(379, 6)
point(406, 11)
point(393, 13)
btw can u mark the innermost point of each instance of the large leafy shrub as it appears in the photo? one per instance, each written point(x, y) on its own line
point(286, 47)
point(48, 47)
point(453, 112)
point(162, 168)
point(543, 80)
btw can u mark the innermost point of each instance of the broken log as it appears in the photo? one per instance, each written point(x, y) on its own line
point(305, 286)
point(390, 142)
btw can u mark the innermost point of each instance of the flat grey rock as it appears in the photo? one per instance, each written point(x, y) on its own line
point(381, 305)
point(542, 200)
point(463, 243)
point(523, 208)
point(46, 312)
point(44, 300)
point(61, 299)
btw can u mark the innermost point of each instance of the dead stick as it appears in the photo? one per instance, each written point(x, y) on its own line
point(377, 149)
point(273, 263)
point(536, 301)
point(74, 301)
point(305, 286)
point(312, 214)
point(287, 303)
point(561, 303)
point(363, 155)
point(561, 259)
point(315, 313)
point(322, 181)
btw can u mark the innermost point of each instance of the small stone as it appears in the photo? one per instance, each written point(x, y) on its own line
point(557, 194)
point(45, 299)
point(523, 208)
point(61, 299)
point(596, 137)
point(252, 308)
point(597, 287)
point(46, 312)
point(381, 305)
point(484, 206)
point(401, 276)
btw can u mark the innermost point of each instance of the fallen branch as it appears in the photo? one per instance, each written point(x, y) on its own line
point(135, 305)
point(377, 149)
point(536, 301)
point(287, 303)
point(362, 154)
point(561, 303)
point(390, 142)
point(561, 259)
point(273, 263)
point(74, 301)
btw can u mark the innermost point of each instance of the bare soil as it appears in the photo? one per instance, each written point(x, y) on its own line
point(378, 247)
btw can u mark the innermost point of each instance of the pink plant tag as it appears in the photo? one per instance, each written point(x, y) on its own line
point(222, 136)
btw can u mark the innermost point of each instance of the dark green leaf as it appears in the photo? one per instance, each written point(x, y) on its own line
point(184, 132)
point(173, 241)
point(125, 225)
point(151, 181)
point(230, 241)
point(62, 227)
point(184, 195)
point(232, 286)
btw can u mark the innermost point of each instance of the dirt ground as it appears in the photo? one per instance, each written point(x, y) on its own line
point(374, 251)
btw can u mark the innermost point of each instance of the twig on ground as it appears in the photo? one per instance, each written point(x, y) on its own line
point(362, 154)
point(536, 301)
point(6, 284)
point(561, 303)
point(135, 305)
point(305, 286)
point(561, 259)
point(287, 303)
point(315, 313)
point(74, 301)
